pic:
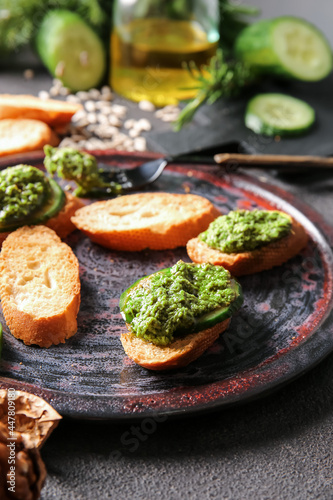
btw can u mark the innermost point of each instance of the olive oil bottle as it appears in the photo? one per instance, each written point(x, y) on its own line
point(149, 55)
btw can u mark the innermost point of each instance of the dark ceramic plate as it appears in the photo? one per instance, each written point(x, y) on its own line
point(284, 327)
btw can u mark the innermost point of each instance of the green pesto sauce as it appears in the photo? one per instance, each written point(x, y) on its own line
point(244, 230)
point(73, 165)
point(23, 190)
point(164, 305)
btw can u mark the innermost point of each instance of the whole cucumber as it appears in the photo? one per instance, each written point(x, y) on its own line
point(71, 50)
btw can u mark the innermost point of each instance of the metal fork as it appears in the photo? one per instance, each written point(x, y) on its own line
point(148, 172)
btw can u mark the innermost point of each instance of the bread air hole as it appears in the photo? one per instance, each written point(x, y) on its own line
point(33, 265)
point(147, 214)
point(24, 280)
point(48, 282)
point(121, 213)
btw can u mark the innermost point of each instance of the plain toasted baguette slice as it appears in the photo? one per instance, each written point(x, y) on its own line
point(61, 223)
point(22, 135)
point(179, 353)
point(39, 286)
point(264, 258)
point(50, 111)
point(158, 221)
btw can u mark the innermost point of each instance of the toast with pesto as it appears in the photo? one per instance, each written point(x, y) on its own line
point(174, 315)
point(158, 221)
point(28, 197)
point(39, 286)
point(247, 242)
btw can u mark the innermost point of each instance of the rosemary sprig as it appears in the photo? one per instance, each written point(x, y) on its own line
point(221, 78)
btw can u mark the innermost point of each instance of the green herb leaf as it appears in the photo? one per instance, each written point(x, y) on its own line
point(221, 78)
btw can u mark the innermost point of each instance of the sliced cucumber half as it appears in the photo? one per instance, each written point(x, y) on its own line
point(219, 315)
point(278, 114)
point(287, 46)
point(206, 321)
point(302, 49)
point(71, 50)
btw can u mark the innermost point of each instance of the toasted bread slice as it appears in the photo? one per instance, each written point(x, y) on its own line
point(266, 257)
point(179, 353)
point(61, 223)
point(21, 135)
point(39, 286)
point(49, 111)
point(134, 222)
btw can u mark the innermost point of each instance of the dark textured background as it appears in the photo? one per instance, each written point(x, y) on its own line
point(279, 447)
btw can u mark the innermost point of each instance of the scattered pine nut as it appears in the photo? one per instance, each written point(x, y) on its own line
point(146, 106)
point(43, 94)
point(28, 74)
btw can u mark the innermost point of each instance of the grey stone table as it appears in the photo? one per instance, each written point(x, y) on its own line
point(278, 447)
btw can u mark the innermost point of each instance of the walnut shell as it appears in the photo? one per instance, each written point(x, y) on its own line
point(22, 471)
point(34, 418)
point(26, 421)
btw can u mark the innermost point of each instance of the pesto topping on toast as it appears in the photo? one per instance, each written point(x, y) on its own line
point(167, 304)
point(77, 166)
point(23, 191)
point(245, 230)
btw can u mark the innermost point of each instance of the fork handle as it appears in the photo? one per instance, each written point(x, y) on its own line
point(273, 160)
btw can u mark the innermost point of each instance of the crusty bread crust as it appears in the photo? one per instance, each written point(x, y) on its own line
point(158, 221)
point(21, 135)
point(49, 111)
point(39, 286)
point(243, 263)
point(61, 223)
point(179, 353)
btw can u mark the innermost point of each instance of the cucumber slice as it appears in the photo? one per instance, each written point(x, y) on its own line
point(215, 317)
point(53, 206)
point(278, 114)
point(208, 320)
point(71, 50)
point(286, 46)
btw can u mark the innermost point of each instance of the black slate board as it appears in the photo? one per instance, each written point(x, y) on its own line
point(224, 123)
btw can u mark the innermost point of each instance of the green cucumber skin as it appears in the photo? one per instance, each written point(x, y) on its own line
point(213, 318)
point(259, 127)
point(254, 45)
point(60, 199)
point(43, 215)
point(209, 320)
point(50, 33)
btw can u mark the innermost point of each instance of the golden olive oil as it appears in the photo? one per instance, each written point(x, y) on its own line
point(148, 57)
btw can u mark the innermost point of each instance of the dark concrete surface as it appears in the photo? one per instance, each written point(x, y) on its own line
point(279, 447)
